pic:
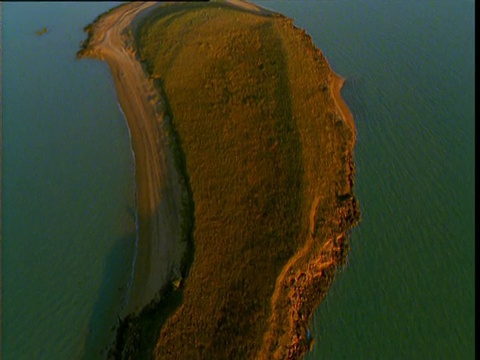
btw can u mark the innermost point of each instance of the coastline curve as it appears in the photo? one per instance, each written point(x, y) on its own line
point(161, 242)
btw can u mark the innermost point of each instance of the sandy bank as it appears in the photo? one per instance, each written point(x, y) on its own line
point(247, 6)
point(336, 88)
point(159, 194)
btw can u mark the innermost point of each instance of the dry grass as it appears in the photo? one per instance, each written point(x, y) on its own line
point(261, 138)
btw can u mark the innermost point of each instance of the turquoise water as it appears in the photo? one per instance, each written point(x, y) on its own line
point(408, 290)
point(67, 185)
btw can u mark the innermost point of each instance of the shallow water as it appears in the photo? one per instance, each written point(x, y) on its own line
point(68, 198)
point(408, 290)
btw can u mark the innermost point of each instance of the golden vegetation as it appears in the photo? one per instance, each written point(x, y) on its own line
point(269, 163)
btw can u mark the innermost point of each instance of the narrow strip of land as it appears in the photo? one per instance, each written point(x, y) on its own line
point(157, 182)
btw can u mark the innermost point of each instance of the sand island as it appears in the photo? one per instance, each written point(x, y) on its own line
point(244, 175)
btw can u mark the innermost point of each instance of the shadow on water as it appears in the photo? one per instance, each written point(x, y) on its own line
point(104, 319)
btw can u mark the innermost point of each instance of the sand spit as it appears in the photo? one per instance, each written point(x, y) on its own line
point(159, 193)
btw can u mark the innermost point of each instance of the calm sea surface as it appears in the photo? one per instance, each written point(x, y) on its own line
point(408, 290)
point(68, 198)
point(68, 195)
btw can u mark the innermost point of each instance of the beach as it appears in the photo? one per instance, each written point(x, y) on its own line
point(337, 84)
point(159, 194)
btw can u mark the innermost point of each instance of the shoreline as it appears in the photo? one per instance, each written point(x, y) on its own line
point(337, 85)
point(306, 278)
point(347, 118)
point(158, 187)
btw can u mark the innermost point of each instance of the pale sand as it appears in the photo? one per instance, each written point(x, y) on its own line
point(336, 88)
point(158, 189)
point(247, 6)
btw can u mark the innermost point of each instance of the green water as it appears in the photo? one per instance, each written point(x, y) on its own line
point(67, 188)
point(408, 290)
point(67, 182)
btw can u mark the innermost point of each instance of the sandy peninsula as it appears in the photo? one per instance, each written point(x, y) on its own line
point(243, 145)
